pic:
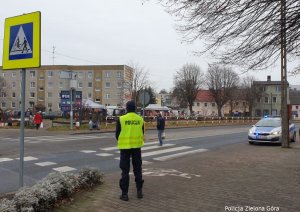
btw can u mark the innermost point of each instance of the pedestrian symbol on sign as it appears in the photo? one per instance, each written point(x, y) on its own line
point(21, 42)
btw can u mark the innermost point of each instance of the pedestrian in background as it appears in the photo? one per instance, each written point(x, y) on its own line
point(38, 119)
point(160, 128)
point(130, 136)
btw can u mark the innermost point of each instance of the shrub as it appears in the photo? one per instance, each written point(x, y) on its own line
point(7, 205)
point(26, 200)
point(44, 195)
point(89, 177)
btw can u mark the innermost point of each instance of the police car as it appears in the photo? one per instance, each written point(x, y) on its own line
point(268, 130)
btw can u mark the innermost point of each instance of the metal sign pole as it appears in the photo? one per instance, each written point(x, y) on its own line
point(22, 124)
point(71, 112)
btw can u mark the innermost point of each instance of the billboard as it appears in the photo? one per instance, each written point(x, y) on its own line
point(65, 100)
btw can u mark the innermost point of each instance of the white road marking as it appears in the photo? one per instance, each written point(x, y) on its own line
point(56, 139)
point(116, 148)
point(5, 159)
point(64, 169)
point(104, 154)
point(45, 163)
point(28, 158)
point(169, 157)
point(144, 162)
point(165, 151)
point(87, 151)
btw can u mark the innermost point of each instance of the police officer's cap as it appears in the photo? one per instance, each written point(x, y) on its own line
point(130, 106)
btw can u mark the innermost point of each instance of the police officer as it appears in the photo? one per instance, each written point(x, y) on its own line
point(130, 136)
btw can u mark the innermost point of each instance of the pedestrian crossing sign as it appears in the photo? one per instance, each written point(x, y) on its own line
point(22, 48)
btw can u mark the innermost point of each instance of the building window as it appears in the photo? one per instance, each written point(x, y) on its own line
point(119, 74)
point(107, 96)
point(13, 74)
point(97, 100)
point(49, 105)
point(3, 94)
point(50, 73)
point(278, 88)
point(32, 74)
point(98, 78)
point(50, 84)
point(274, 99)
point(90, 84)
point(3, 84)
point(198, 104)
point(262, 88)
point(107, 85)
point(97, 89)
point(108, 74)
point(50, 94)
point(13, 84)
point(32, 84)
point(266, 99)
point(42, 77)
point(119, 85)
point(3, 104)
point(90, 75)
point(13, 94)
point(213, 104)
point(258, 100)
point(61, 84)
point(236, 104)
point(41, 88)
point(32, 94)
point(13, 104)
point(80, 84)
point(297, 107)
point(89, 95)
point(205, 104)
point(80, 75)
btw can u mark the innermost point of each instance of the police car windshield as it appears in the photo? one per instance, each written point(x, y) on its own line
point(269, 123)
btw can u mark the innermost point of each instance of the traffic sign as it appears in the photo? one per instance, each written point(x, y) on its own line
point(22, 42)
point(144, 97)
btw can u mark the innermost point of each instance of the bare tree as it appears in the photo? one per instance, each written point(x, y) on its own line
point(250, 30)
point(221, 81)
point(188, 81)
point(140, 80)
point(249, 92)
point(2, 89)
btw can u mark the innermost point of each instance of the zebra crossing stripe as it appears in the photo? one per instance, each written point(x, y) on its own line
point(116, 148)
point(165, 151)
point(104, 154)
point(5, 159)
point(88, 151)
point(144, 162)
point(169, 157)
point(28, 158)
point(45, 163)
point(64, 169)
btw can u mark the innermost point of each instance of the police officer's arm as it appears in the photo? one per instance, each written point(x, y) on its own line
point(118, 129)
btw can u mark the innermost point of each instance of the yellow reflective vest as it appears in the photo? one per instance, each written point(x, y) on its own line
point(131, 135)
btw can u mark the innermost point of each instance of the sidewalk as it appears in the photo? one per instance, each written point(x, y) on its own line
point(238, 177)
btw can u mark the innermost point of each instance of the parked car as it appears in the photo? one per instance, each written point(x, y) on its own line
point(268, 130)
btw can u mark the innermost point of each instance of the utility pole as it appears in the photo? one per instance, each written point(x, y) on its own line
point(285, 143)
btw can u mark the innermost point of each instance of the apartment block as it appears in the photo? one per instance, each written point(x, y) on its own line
point(270, 101)
point(104, 84)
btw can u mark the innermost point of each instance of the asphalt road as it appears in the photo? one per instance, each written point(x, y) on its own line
point(70, 153)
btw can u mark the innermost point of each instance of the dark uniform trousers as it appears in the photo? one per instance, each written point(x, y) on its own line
point(136, 156)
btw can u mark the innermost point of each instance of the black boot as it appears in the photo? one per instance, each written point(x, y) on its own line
point(140, 194)
point(124, 197)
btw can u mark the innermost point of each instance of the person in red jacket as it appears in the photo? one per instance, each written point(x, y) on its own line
point(38, 119)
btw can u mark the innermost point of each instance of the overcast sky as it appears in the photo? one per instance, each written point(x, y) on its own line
point(114, 32)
